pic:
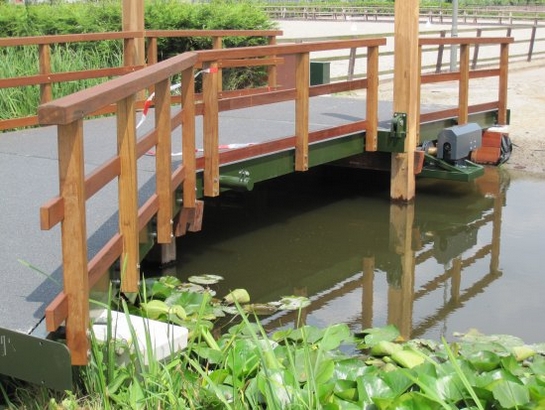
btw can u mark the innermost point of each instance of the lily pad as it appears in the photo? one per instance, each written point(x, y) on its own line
point(238, 296)
point(292, 303)
point(205, 279)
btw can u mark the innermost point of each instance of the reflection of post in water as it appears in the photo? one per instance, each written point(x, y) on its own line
point(367, 285)
point(400, 297)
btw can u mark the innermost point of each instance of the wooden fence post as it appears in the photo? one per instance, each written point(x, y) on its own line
point(372, 99)
point(302, 83)
point(128, 194)
point(272, 71)
point(74, 238)
point(440, 51)
point(502, 92)
point(188, 138)
point(46, 93)
point(532, 41)
point(211, 132)
point(163, 162)
point(463, 85)
point(476, 51)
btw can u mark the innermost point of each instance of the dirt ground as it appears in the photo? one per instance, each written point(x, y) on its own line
point(526, 100)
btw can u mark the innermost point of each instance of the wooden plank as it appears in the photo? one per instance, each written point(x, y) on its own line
point(211, 134)
point(101, 176)
point(65, 77)
point(56, 312)
point(463, 85)
point(406, 82)
point(147, 211)
point(302, 84)
point(74, 239)
point(163, 161)
point(372, 99)
point(51, 213)
point(67, 38)
point(251, 62)
point(433, 41)
point(128, 194)
point(104, 259)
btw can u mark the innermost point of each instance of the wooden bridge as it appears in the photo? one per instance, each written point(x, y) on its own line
point(295, 129)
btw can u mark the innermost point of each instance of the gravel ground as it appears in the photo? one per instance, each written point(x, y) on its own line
point(526, 96)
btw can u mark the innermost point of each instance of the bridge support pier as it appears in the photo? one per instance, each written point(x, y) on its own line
point(162, 253)
point(406, 96)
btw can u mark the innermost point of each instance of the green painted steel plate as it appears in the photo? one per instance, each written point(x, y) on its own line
point(36, 360)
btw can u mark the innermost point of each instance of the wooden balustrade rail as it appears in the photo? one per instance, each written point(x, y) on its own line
point(45, 78)
point(71, 306)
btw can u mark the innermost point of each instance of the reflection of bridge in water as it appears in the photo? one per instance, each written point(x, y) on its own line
point(419, 234)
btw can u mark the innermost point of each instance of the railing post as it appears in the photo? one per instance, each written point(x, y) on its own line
point(502, 92)
point(217, 44)
point(440, 51)
point(463, 92)
point(351, 63)
point(211, 131)
point(74, 238)
point(532, 41)
point(272, 71)
point(302, 83)
point(128, 194)
point(372, 99)
point(476, 51)
point(44, 51)
point(188, 138)
point(151, 56)
point(163, 162)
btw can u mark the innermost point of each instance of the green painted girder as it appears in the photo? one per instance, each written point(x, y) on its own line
point(438, 169)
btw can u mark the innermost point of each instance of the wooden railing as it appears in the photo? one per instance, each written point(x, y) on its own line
point(46, 77)
point(71, 306)
point(465, 74)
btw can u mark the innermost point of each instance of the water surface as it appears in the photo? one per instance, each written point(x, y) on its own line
point(464, 255)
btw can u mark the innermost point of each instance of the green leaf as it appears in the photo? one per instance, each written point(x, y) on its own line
point(484, 361)
point(375, 335)
point(334, 336)
point(155, 309)
point(408, 358)
point(385, 348)
point(205, 279)
point(237, 296)
point(346, 390)
point(511, 395)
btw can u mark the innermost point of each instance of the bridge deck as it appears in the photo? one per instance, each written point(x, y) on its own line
point(29, 169)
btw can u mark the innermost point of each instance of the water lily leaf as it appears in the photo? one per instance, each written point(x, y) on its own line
point(397, 380)
point(205, 279)
point(292, 303)
point(385, 348)
point(230, 310)
point(407, 358)
point(260, 309)
point(375, 335)
point(371, 388)
point(523, 352)
point(484, 361)
point(324, 372)
point(161, 288)
point(510, 394)
point(351, 369)
point(346, 390)
point(334, 336)
point(191, 287)
point(238, 295)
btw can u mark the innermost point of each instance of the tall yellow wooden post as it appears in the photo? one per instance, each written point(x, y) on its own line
point(406, 100)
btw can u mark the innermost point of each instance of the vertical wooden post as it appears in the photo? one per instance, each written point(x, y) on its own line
point(502, 97)
point(188, 137)
point(463, 85)
point(532, 42)
point(217, 44)
point(128, 194)
point(400, 301)
point(402, 184)
point(163, 162)
point(211, 133)
point(372, 99)
point(476, 50)
point(440, 51)
point(74, 238)
point(272, 71)
point(46, 93)
point(302, 83)
point(133, 20)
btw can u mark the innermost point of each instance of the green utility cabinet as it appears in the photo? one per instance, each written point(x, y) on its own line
point(319, 72)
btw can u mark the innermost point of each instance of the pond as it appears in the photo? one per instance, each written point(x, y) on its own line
point(464, 255)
